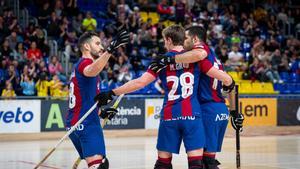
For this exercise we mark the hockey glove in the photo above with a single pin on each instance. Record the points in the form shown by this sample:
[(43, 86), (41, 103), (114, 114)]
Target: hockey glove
[(228, 89), (237, 120), (156, 66), (122, 38), (108, 113), (104, 98)]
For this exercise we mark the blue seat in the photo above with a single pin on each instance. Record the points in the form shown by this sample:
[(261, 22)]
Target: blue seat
[(295, 78), (285, 76)]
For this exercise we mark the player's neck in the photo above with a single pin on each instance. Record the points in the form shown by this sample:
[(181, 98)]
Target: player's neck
[(87, 55), (176, 48)]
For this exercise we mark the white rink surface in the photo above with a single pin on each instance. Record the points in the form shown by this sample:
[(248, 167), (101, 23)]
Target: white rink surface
[(271, 152)]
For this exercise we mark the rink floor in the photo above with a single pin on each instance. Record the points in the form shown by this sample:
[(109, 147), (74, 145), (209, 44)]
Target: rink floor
[(270, 152)]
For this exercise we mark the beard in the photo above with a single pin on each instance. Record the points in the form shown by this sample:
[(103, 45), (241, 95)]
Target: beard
[(95, 54), (188, 45)]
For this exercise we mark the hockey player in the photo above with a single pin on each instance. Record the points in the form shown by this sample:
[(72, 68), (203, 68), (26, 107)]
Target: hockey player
[(84, 86), (181, 114), (215, 112)]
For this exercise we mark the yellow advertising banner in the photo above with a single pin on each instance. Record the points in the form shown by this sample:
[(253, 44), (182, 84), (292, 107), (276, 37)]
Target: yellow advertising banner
[(259, 111)]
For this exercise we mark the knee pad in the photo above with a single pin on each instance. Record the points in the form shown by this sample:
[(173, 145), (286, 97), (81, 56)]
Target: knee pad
[(210, 163), (196, 164), (104, 164), (160, 165)]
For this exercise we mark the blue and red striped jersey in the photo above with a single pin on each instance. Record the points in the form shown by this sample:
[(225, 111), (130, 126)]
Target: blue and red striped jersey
[(81, 94), (180, 82), (209, 88)]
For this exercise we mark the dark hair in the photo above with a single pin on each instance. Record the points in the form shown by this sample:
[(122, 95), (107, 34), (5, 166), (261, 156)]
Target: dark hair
[(85, 37), (198, 31), (175, 33)]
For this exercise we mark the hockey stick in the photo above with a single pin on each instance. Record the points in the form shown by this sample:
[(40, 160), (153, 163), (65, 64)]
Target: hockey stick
[(66, 135), (115, 105), (237, 132)]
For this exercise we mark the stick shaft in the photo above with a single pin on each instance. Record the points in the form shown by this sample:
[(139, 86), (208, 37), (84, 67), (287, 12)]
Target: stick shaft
[(67, 134), (237, 132)]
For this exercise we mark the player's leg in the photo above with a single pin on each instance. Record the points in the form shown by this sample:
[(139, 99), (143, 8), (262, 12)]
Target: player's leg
[(76, 142), (193, 138), (215, 120), (168, 142), (93, 146)]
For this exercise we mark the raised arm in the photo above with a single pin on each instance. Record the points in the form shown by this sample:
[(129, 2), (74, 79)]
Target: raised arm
[(191, 56), (96, 67), (104, 98), (135, 84)]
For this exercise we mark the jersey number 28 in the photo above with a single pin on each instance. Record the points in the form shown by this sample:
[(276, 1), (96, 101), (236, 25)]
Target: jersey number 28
[(186, 81)]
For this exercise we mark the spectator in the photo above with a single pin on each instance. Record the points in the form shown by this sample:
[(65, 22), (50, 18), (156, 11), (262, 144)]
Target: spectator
[(42, 85), (27, 85), (65, 92), (77, 23), (123, 8), (71, 8), (13, 39), (276, 60), (20, 53), (180, 9), (53, 26), (55, 86), (55, 68), (272, 74), (34, 53), (123, 70), (164, 10), (8, 92), (257, 70), (89, 23), (5, 51), (44, 14), (58, 9), (236, 59)]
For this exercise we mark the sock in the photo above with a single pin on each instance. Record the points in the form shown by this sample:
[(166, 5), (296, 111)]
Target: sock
[(193, 158), (95, 162), (165, 160), (213, 156)]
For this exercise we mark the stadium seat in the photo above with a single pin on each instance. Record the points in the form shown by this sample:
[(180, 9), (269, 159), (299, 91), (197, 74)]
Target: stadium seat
[(268, 88), (245, 88), (257, 88), (144, 16), (295, 78), (285, 76), (154, 16), (234, 75)]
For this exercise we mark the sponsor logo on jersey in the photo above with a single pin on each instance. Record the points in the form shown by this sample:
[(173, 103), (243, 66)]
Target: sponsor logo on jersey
[(222, 117)]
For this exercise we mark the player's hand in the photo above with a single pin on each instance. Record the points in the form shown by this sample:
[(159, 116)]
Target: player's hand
[(108, 113), (237, 120), (122, 38), (228, 89), (156, 66), (104, 98), (165, 60)]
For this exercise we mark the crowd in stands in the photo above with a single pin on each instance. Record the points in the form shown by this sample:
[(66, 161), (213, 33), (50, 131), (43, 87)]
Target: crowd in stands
[(259, 40)]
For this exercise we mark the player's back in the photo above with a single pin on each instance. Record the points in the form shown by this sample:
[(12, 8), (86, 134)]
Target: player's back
[(210, 89), (179, 83), (81, 94)]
